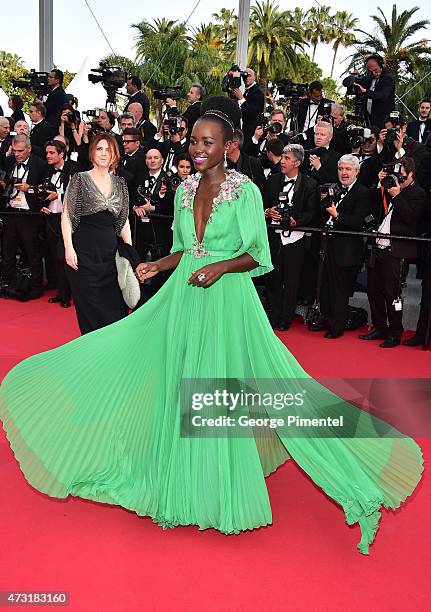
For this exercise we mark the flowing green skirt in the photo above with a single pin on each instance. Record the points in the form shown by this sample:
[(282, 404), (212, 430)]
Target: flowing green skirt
[(99, 418)]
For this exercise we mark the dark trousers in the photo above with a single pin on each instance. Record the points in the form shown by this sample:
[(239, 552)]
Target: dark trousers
[(386, 276), (55, 244), (23, 229), (425, 311), (337, 287), (282, 283)]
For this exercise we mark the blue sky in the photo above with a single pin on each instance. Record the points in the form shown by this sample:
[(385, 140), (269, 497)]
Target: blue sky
[(73, 17)]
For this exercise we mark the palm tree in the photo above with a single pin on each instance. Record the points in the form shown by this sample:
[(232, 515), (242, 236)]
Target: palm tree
[(273, 40), (390, 40), (207, 35), (342, 33), (317, 25), (228, 22)]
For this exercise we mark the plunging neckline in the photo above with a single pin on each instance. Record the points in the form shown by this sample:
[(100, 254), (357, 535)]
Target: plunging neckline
[(214, 206), (97, 187)]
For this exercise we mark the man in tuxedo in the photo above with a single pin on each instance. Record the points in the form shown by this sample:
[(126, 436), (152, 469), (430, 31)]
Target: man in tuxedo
[(246, 164), (153, 234), (58, 175), (192, 113), (286, 244), (257, 146), (174, 146), (5, 139), (133, 161), (126, 120), (344, 254), (321, 162), (388, 265), (420, 128), (23, 169), (310, 108), (134, 87), (56, 98), (145, 127), (252, 103), (41, 130), (378, 91)]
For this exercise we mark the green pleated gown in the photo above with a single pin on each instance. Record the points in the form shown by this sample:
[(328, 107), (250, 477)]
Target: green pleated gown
[(99, 417)]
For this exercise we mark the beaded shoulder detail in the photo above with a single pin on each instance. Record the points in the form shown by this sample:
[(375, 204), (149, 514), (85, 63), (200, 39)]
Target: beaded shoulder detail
[(230, 190)]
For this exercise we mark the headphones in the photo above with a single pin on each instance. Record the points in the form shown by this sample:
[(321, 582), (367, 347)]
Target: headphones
[(378, 58)]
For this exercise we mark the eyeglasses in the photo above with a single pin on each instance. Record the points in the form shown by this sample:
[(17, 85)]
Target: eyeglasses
[(134, 140)]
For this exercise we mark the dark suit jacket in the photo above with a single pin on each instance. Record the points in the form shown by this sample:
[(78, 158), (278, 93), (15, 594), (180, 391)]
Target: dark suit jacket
[(383, 98), (4, 148), (41, 133), (37, 172), (143, 100), (176, 147), (305, 197), (147, 131), (251, 167), (413, 129), (303, 109), (192, 114), (54, 102), (69, 169), (408, 206), (137, 168), (251, 110), (352, 210), (328, 172)]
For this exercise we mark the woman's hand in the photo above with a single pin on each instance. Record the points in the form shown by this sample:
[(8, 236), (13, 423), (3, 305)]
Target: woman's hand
[(208, 275), (71, 258), (146, 270)]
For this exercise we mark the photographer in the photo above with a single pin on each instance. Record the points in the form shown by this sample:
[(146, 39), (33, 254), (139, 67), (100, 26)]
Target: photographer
[(387, 269), (21, 229), (176, 144), (52, 194), (364, 148), (290, 200), (70, 125), (377, 89), (16, 103), (145, 127), (252, 103), (192, 113), (133, 88), (41, 130), (321, 162), (56, 98), (269, 130), (420, 128), (274, 153), (238, 160), (310, 108), (126, 120), (340, 137), (5, 139), (345, 207), (133, 159)]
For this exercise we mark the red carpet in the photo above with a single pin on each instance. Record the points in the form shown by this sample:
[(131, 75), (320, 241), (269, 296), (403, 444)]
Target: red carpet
[(108, 559)]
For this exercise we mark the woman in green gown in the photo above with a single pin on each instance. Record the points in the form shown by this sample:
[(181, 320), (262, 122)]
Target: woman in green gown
[(100, 418)]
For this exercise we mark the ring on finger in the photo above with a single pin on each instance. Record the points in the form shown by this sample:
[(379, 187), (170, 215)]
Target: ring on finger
[(201, 277)]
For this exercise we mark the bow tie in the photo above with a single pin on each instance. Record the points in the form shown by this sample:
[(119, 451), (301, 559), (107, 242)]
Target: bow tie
[(344, 190), (21, 165), (151, 181), (289, 181)]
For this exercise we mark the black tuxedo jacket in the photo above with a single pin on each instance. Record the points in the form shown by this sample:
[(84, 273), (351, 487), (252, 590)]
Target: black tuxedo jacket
[(136, 169), (408, 206), (69, 169), (192, 114), (251, 167), (176, 147), (251, 110), (40, 134), (413, 129), (305, 197), (383, 98), (303, 110), (147, 131), (53, 105), (37, 173), (328, 173), (143, 100), (4, 148), (256, 149), (163, 206), (352, 210)]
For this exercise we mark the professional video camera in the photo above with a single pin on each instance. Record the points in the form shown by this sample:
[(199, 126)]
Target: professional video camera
[(351, 81), (112, 79), (275, 127), (167, 91), (358, 136), (329, 193), (34, 81), (393, 175), (174, 124), (285, 209), (233, 78), (93, 114), (42, 190), (289, 89)]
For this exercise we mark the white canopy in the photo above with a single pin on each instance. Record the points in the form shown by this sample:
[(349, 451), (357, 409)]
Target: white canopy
[(89, 95), (3, 103)]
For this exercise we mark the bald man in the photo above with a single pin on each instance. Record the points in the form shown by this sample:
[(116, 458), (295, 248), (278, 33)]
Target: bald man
[(145, 127), (252, 104), (5, 139)]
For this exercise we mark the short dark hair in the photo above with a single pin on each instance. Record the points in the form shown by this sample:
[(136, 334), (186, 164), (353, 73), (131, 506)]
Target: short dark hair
[(58, 75), (315, 86), (423, 100), (17, 102), (238, 137), (59, 146), (401, 120), (275, 146), (184, 156), (136, 81), (39, 106), (132, 132), (408, 163)]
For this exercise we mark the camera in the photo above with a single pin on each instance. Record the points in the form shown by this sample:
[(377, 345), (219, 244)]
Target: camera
[(329, 193), (93, 112), (391, 180), (172, 181), (42, 190), (167, 91), (174, 124), (392, 135), (275, 127), (71, 117), (233, 78), (285, 209), (349, 83), (326, 112), (358, 136), (112, 79), (35, 81), (289, 89)]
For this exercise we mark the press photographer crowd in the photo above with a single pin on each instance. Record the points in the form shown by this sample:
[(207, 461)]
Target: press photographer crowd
[(333, 184)]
